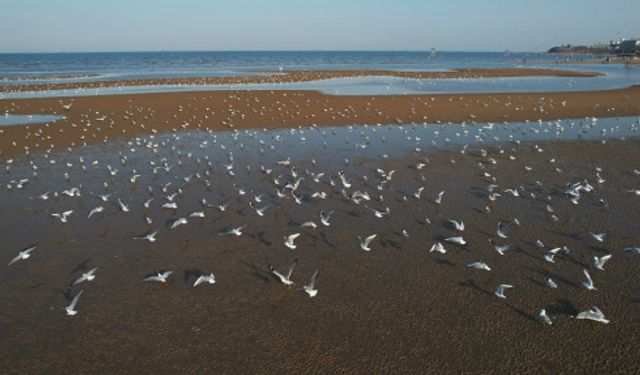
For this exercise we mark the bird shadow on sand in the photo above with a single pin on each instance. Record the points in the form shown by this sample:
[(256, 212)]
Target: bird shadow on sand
[(396, 245), (82, 266), (257, 272), (260, 236), (325, 240), (444, 262), (562, 307), (521, 312), (192, 272), (552, 275)]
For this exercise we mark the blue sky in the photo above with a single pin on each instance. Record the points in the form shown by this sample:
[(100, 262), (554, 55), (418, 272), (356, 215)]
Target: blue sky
[(149, 25)]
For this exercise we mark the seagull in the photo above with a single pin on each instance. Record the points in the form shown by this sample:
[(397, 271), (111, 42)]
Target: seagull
[(366, 244), (458, 240), (63, 216), (632, 250), (593, 314), (544, 317), (123, 206), (548, 256), (210, 278), (309, 288), (598, 236), (151, 237), (23, 255), (438, 199), (499, 292), (309, 224), (180, 221), (288, 240), (479, 266), (160, 276), (438, 247), (598, 262), (286, 280), (95, 211), (71, 308), (87, 276), (236, 231), (551, 284), (588, 283), (458, 225), (324, 219), (259, 211), (502, 249)]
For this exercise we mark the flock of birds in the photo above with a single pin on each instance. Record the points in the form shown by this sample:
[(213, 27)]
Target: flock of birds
[(286, 182)]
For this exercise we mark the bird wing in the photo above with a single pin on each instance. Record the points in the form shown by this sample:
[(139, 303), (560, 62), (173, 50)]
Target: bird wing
[(74, 302), (312, 282), (368, 240), (17, 258), (291, 267)]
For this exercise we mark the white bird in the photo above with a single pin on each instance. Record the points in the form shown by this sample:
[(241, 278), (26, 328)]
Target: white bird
[(499, 292), (458, 240), (310, 287), (479, 266), (123, 206), (210, 278), (438, 199), (160, 276), (438, 247), (285, 279), (502, 249), (544, 317), (71, 308), (259, 211), (180, 221), (324, 219), (598, 236), (63, 216), (598, 262), (593, 314), (288, 240), (23, 255), (548, 256), (309, 224), (236, 231), (366, 244), (95, 211), (551, 284), (459, 226), (198, 214), (632, 250), (151, 237), (87, 276), (588, 283)]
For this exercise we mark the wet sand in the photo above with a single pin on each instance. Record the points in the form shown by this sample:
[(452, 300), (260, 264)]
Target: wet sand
[(305, 76), (131, 115), (394, 309)]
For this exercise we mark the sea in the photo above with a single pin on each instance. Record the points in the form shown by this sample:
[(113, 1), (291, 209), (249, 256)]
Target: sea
[(38, 68)]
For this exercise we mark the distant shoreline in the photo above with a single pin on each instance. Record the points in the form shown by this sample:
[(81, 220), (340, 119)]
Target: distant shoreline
[(294, 76)]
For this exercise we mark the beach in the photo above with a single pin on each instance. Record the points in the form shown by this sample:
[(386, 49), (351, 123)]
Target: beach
[(397, 166)]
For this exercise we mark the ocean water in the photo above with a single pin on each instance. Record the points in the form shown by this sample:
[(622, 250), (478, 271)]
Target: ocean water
[(82, 67)]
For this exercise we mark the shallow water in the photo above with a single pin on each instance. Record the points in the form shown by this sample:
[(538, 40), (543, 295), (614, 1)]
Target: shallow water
[(10, 120)]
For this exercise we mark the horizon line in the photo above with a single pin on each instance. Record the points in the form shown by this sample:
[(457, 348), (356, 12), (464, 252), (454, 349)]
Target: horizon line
[(261, 50)]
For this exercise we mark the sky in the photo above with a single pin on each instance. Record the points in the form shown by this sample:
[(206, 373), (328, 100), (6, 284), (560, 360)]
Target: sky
[(446, 25)]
